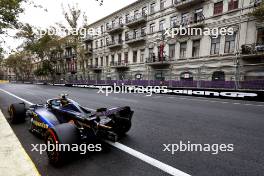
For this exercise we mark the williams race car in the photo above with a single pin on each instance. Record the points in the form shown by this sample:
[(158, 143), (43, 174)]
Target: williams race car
[(63, 121)]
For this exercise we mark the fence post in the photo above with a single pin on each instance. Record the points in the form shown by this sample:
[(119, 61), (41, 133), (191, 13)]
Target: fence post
[(237, 77), (148, 77), (170, 82)]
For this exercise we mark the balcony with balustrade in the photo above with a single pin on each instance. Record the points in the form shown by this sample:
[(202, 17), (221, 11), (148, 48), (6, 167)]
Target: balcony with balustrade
[(69, 56), (95, 67), (253, 51), (193, 20), (120, 64), (136, 20), (135, 38), (185, 4), (114, 44), (155, 61), (88, 38), (115, 28)]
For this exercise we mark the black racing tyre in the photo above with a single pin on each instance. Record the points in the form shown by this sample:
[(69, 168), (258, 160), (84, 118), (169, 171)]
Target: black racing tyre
[(123, 128), (65, 133), (123, 120), (17, 113)]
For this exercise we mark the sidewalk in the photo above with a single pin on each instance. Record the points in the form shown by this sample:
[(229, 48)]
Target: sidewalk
[(14, 161)]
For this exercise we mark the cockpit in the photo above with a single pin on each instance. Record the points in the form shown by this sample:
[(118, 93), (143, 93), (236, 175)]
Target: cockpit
[(67, 105)]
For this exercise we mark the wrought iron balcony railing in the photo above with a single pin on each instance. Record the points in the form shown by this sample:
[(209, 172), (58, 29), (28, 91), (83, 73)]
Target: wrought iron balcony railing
[(135, 37), (136, 19), (114, 43), (119, 64), (184, 4), (116, 27)]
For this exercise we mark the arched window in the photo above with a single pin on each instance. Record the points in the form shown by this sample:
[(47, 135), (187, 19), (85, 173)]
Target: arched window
[(218, 76)]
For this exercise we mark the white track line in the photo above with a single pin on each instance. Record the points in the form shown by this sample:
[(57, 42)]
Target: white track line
[(9, 93), (160, 165), (166, 168)]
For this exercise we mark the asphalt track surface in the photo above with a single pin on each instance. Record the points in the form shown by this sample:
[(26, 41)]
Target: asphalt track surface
[(158, 120)]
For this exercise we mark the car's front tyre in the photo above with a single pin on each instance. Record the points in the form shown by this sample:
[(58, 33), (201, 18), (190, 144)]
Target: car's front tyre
[(17, 112)]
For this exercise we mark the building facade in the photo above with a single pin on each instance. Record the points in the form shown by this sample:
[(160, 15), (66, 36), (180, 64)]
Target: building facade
[(6, 73), (133, 45)]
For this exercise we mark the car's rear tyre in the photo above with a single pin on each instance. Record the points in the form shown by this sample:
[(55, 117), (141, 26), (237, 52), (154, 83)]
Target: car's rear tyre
[(123, 128), (123, 121), (17, 113), (65, 133)]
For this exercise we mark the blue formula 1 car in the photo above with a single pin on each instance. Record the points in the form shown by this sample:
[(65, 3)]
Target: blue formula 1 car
[(63, 121)]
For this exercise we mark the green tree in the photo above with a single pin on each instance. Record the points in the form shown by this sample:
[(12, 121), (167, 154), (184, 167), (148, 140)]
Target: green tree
[(42, 47), (9, 11), (27, 34), (258, 12), (21, 64), (37, 44), (77, 21), (46, 69), (1, 54)]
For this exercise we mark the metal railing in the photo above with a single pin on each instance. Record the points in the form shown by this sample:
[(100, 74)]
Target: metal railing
[(136, 18), (192, 18), (114, 26), (119, 63), (134, 36), (156, 58), (114, 43), (253, 48)]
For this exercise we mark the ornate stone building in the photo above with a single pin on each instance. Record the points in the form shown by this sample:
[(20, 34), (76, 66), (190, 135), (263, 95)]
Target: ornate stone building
[(132, 45)]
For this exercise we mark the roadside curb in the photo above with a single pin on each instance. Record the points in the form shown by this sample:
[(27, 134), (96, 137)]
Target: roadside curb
[(13, 158)]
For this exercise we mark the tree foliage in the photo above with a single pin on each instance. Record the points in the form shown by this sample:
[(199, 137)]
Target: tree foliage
[(37, 44), (46, 46), (1, 54), (9, 11), (41, 46), (26, 32), (45, 69), (21, 64), (77, 20), (258, 12)]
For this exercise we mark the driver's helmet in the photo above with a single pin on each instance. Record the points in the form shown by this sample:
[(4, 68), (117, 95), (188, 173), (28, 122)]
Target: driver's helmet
[(64, 100)]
